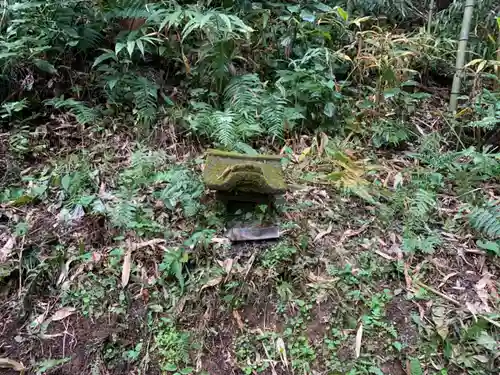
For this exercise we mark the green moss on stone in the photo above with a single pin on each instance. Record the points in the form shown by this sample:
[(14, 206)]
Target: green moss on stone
[(242, 156), (229, 171)]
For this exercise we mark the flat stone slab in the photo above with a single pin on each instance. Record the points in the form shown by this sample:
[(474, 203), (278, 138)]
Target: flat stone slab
[(231, 171)]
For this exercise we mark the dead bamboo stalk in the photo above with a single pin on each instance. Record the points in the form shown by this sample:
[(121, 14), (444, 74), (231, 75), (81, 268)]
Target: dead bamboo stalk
[(429, 19), (497, 68), (462, 45)]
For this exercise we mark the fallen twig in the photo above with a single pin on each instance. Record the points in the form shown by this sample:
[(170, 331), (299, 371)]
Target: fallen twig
[(454, 301), (437, 292)]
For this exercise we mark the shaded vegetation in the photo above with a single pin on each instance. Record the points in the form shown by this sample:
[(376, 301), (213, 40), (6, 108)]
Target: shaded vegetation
[(113, 258)]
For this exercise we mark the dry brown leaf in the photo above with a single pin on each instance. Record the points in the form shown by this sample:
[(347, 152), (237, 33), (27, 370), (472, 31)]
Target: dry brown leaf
[(351, 233), (440, 321), (322, 143), (127, 264), (62, 313), (446, 278), (359, 338), (213, 282), (482, 292), (249, 265), (281, 349), (407, 276), (384, 255), (472, 308), (64, 271), (38, 320), (78, 272), (239, 321), (45, 336), (140, 245), (323, 233), (221, 240), (7, 248), (228, 265), (321, 279), (10, 363), (483, 282)]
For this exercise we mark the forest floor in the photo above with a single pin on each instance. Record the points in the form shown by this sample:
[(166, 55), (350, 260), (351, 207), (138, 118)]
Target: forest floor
[(167, 293)]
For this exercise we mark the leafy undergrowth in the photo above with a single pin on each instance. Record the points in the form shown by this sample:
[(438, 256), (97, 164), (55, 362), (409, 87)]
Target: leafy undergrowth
[(113, 258), (114, 262)]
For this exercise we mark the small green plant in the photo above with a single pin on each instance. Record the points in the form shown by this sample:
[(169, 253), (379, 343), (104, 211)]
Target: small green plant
[(184, 189), (172, 346), (301, 353), (278, 255), (253, 352), (19, 141), (50, 364), (173, 264), (426, 243), (92, 294), (133, 355), (8, 109), (389, 133)]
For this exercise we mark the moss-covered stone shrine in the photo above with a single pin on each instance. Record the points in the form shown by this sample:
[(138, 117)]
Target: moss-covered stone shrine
[(237, 173)]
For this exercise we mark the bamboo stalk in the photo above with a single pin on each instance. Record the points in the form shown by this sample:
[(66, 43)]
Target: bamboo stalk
[(462, 45), (429, 19), (497, 68)]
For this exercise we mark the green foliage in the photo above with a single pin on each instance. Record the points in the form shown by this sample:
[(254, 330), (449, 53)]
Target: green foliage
[(276, 256), (487, 109), (486, 219), (389, 133), (421, 204), (246, 347), (37, 30), (327, 79), (134, 354), (83, 114), (144, 164), (302, 354), (8, 109), (19, 141), (125, 88), (310, 84), (171, 345), (38, 37), (449, 20), (249, 111), (425, 243), (89, 293), (173, 264), (50, 364), (184, 189)]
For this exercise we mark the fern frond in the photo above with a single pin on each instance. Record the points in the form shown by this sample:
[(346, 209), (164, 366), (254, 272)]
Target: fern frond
[(90, 38), (145, 99), (487, 123), (83, 114), (274, 120), (250, 110), (122, 213), (129, 9), (486, 219), (224, 129), (421, 204), (143, 164)]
